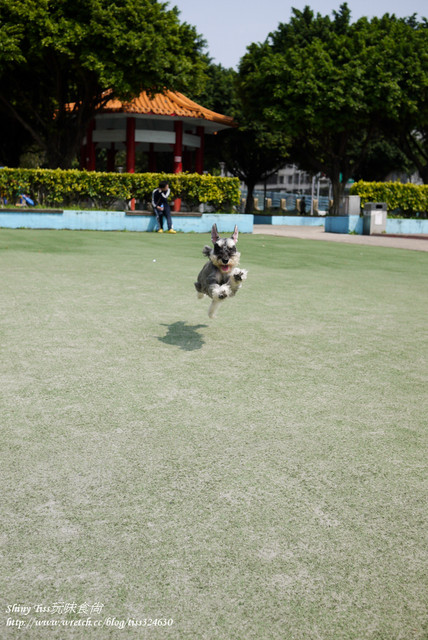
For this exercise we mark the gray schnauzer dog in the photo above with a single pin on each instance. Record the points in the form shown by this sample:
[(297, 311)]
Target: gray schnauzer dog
[(220, 278)]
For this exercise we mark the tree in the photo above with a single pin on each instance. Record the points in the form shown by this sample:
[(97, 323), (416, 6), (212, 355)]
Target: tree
[(252, 155), (327, 84), (219, 91), (250, 152), (382, 158), (415, 145), (407, 122), (14, 140), (82, 53)]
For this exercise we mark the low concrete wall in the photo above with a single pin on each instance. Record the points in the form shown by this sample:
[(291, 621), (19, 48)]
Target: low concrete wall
[(344, 224), (394, 226), (406, 227), (225, 222), (308, 221), (121, 220)]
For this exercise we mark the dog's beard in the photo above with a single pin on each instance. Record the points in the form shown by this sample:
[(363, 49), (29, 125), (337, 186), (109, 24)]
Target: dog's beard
[(225, 268)]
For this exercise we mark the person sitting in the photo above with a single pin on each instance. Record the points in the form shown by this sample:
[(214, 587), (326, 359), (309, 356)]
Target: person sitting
[(161, 206)]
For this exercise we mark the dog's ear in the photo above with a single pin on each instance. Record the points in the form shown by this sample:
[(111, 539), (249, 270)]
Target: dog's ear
[(214, 234), (235, 234)]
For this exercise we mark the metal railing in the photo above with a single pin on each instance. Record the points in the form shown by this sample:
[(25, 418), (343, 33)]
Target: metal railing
[(287, 202)]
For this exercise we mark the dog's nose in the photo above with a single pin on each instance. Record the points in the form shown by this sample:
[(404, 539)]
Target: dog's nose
[(225, 260)]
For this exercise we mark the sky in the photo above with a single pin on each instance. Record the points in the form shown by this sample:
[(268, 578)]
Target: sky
[(229, 26)]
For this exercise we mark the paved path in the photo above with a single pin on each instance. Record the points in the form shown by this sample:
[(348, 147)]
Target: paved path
[(318, 233)]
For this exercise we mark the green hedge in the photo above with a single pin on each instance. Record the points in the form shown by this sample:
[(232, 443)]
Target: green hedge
[(410, 200), (60, 188)]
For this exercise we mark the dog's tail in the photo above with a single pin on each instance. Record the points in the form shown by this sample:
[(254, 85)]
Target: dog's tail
[(206, 251)]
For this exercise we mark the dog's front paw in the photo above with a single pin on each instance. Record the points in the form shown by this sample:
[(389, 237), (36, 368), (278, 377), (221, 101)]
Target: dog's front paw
[(240, 274), (223, 292)]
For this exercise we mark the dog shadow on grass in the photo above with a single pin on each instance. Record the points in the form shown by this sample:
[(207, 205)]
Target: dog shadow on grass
[(184, 335)]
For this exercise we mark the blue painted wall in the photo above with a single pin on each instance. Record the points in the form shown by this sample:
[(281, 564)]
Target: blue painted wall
[(290, 220), (346, 224), (120, 221), (406, 227)]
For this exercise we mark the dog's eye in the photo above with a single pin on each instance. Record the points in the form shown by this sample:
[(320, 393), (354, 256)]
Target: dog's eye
[(217, 249)]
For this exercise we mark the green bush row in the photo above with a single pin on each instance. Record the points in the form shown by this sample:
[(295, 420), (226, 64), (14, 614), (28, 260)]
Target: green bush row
[(409, 199), (65, 188)]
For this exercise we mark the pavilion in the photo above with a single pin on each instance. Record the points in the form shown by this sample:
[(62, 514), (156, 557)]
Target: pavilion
[(163, 122)]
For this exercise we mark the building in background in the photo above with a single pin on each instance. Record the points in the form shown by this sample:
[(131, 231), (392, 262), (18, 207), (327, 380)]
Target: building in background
[(290, 179)]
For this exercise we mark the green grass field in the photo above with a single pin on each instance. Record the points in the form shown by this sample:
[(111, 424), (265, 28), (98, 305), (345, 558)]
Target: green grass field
[(260, 476)]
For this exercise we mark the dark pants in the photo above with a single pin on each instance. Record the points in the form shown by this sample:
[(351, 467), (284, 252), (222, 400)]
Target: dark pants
[(160, 215)]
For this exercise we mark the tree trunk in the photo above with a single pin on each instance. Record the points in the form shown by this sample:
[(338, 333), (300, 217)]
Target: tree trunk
[(249, 205), (63, 142), (338, 187), (423, 172)]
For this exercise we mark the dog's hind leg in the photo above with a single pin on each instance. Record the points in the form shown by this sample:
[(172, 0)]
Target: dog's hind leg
[(212, 311), (199, 290)]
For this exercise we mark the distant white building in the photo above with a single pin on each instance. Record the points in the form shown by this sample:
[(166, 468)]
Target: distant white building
[(397, 176), (291, 179)]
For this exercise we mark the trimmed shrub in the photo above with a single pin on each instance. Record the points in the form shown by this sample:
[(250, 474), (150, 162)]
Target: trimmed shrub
[(409, 200), (64, 188)]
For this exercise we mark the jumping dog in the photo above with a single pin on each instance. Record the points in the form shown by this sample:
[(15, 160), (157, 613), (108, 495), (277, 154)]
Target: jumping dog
[(220, 277)]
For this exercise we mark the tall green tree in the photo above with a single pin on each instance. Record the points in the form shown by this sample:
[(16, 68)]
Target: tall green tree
[(252, 154), (328, 84), (218, 93), (383, 158), (414, 143), (82, 52), (250, 151), (406, 120)]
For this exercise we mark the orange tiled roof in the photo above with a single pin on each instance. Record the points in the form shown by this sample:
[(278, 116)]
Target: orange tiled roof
[(167, 104)]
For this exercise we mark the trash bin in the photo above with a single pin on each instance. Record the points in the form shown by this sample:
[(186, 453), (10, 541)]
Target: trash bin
[(374, 218)]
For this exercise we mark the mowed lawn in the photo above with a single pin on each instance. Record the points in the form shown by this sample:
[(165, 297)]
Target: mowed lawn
[(260, 476)]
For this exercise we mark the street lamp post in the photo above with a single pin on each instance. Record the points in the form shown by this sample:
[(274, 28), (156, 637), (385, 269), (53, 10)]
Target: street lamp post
[(312, 195)]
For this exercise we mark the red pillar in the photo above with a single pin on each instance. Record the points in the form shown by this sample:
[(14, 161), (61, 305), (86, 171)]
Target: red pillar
[(130, 145), (178, 156), (130, 151), (178, 147), (90, 147), (200, 151)]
